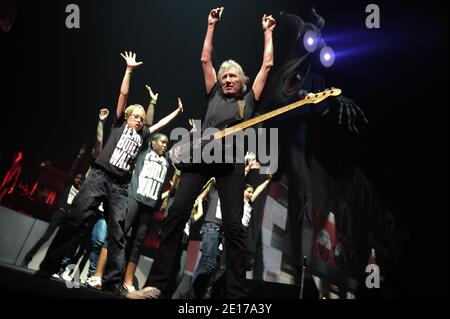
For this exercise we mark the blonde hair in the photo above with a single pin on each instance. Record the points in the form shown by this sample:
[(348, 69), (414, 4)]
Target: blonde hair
[(129, 110), (241, 75)]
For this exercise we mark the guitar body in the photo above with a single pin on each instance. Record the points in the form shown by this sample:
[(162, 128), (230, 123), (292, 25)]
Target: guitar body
[(183, 151)]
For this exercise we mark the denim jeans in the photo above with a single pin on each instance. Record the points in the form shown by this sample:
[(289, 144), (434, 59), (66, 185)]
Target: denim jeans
[(99, 233), (211, 239)]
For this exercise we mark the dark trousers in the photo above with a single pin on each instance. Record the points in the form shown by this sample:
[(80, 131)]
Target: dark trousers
[(230, 185), (52, 226), (73, 256), (98, 187), (139, 218)]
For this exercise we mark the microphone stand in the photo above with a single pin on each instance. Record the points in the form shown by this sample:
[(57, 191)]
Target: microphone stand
[(302, 280)]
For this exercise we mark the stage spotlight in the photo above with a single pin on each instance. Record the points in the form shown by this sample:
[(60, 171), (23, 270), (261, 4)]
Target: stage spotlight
[(327, 56), (311, 40)]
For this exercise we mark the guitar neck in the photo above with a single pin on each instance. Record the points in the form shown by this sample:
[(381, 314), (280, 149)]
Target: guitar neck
[(261, 118)]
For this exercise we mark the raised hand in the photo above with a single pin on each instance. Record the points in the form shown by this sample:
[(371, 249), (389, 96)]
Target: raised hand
[(130, 59), (103, 114), (254, 164), (249, 156), (268, 23), (348, 108), (215, 15), (193, 126), (153, 96), (180, 106)]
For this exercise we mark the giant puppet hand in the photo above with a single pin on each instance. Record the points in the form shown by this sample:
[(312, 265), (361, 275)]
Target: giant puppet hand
[(349, 113)]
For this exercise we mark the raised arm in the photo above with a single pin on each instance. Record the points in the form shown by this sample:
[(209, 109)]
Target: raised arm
[(261, 187), (206, 189), (197, 210), (163, 122), (173, 185), (175, 178), (165, 194), (206, 59), (268, 25), (149, 115), (98, 144), (130, 59), (252, 164)]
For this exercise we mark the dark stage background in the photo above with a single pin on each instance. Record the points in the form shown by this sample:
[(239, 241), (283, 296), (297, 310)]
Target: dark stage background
[(54, 80)]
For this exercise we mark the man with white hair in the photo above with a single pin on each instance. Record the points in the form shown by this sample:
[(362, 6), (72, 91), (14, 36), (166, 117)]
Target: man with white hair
[(226, 91)]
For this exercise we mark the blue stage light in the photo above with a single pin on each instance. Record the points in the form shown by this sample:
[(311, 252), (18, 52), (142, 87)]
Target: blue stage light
[(327, 56), (311, 40)]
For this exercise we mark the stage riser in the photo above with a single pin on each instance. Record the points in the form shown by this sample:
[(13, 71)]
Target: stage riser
[(19, 232)]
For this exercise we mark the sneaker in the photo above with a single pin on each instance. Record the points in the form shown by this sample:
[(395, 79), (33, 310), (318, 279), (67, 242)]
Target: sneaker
[(146, 293), (66, 275), (94, 282)]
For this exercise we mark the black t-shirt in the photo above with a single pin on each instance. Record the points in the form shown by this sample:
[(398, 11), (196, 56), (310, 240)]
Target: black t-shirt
[(222, 108), (213, 213), (148, 178), (120, 151)]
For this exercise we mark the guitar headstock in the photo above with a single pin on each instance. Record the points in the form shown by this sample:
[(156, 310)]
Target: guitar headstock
[(320, 96)]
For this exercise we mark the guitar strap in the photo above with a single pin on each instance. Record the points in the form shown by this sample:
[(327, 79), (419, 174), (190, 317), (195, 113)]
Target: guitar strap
[(241, 108)]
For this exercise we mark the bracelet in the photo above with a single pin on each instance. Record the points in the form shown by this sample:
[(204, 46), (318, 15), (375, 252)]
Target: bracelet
[(130, 72), (153, 101)]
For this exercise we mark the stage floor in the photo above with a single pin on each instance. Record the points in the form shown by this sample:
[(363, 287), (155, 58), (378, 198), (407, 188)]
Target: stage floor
[(20, 282)]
